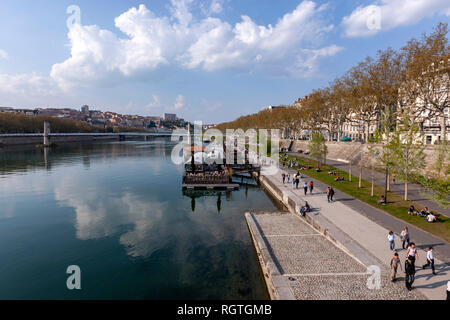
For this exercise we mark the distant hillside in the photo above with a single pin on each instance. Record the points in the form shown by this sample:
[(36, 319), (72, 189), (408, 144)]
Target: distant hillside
[(20, 123)]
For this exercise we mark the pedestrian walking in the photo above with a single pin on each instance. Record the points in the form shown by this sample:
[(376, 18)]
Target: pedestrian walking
[(430, 260), (395, 263), (331, 194), (410, 271), (448, 290), (284, 177), (391, 239), (288, 178), (404, 237), (305, 188), (311, 187), (297, 181), (293, 183), (412, 254), (328, 194)]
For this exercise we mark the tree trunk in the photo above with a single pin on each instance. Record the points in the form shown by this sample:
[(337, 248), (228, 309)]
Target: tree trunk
[(372, 190), (406, 191), (360, 175), (350, 172), (388, 181), (443, 129)]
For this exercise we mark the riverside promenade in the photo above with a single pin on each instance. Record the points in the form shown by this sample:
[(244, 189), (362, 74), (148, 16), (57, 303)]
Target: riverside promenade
[(347, 230), (416, 193)]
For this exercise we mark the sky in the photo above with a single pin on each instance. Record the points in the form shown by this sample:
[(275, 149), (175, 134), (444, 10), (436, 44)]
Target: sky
[(210, 61)]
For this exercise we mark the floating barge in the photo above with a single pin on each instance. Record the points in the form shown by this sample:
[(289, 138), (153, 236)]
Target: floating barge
[(227, 186)]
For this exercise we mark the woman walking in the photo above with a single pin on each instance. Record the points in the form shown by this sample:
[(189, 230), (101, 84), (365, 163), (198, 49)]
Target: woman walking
[(404, 237), (412, 254)]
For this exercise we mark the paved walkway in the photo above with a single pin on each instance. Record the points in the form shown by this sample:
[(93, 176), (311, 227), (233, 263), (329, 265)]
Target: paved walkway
[(421, 238), (301, 263), (416, 192), (361, 222)]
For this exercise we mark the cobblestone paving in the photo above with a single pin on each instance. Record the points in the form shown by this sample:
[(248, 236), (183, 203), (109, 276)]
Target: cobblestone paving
[(316, 268), (351, 287), (286, 223), (312, 254)]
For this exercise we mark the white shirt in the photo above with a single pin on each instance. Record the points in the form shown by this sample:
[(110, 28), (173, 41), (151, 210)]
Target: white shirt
[(430, 218), (391, 237), (430, 255)]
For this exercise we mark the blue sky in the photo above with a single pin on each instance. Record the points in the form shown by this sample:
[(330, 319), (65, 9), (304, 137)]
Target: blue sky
[(211, 60)]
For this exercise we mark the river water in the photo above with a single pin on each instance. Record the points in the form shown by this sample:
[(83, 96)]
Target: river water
[(117, 211)]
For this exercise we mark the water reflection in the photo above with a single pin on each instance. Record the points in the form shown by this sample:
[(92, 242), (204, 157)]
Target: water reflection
[(118, 208)]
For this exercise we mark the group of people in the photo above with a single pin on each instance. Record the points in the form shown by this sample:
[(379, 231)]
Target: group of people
[(218, 177), (411, 257), (296, 181), (425, 213), (330, 194)]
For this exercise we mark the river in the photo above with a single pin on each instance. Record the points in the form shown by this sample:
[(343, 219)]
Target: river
[(117, 211)]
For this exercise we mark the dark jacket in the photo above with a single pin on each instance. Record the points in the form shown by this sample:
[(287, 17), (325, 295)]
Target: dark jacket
[(409, 268)]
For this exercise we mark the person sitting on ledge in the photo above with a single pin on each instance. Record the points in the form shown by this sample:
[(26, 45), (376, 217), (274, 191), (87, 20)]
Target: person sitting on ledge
[(306, 208), (412, 211), (382, 200)]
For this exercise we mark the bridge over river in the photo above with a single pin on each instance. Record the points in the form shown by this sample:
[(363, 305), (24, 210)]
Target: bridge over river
[(54, 138)]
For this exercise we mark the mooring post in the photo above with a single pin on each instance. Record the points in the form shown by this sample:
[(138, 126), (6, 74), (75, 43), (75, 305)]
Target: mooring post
[(46, 134)]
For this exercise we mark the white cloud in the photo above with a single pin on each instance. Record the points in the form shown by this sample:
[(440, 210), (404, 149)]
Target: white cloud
[(179, 103), (179, 40), (388, 14), (3, 54), (155, 103), (27, 84), (216, 6)]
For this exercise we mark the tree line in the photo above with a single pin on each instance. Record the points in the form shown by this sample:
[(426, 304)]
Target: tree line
[(416, 77), (11, 123), (388, 99)]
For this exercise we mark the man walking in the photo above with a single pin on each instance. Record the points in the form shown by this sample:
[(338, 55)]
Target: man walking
[(305, 188), (311, 187), (297, 181), (284, 177), (410, 271), (430, 260), (331, 194), (328, 194), (395, 263)]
